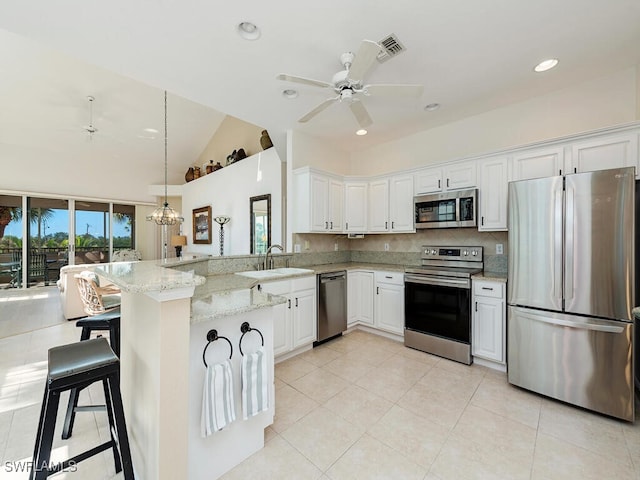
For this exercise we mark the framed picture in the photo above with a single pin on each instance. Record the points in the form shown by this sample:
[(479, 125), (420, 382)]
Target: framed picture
[(202, 225)]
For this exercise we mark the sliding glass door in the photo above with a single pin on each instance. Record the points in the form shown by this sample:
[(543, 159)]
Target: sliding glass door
[(57, 232)]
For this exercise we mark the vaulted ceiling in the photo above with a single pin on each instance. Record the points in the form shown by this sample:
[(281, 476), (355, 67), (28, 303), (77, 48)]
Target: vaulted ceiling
[(470, 55)]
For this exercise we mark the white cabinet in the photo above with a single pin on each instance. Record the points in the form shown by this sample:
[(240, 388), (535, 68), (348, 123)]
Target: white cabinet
[(449, 177), (401, 209), (489, 321), (607, 151), (389, 303), (319, 202), (391, 204), (493, 193), (379, 206), (355, 206), (294, 321), (538, 163), (360, 297)]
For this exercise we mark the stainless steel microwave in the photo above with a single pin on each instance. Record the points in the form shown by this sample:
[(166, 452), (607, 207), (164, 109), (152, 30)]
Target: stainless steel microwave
[(457, 208)]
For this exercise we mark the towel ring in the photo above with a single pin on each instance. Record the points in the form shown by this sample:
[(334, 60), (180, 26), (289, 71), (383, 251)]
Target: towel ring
[(212, 336), (246, 328)]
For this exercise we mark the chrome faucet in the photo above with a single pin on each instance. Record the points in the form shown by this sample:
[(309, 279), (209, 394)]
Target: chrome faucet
[(267, 264)]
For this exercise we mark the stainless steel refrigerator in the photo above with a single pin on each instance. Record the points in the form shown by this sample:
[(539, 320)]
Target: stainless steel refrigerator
[(571, 289)]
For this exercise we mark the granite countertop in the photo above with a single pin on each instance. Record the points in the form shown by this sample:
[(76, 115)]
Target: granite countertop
[(333, 267), (636, 312), (493, 276), (147, 276)]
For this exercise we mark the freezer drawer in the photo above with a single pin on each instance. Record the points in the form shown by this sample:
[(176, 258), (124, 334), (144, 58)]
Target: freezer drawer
[(582, 361)]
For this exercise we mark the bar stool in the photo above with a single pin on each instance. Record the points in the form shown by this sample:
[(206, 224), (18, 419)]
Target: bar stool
[(78, 365), (109, 321)]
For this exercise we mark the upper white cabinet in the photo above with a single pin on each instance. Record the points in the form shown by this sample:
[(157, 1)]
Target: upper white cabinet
[(401, 204), (379, 206), (355, 206), (607, 151), (493, 193), (538, 163), (450, 177), (319, 202)]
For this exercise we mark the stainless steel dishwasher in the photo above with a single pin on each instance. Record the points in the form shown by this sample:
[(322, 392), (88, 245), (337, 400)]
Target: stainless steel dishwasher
[(332, 305)]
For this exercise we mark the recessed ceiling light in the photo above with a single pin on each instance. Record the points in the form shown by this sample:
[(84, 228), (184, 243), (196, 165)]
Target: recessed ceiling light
[(151, 130), (289, 93), (361, 132), (432, 106), (248, 31), (546, 65)]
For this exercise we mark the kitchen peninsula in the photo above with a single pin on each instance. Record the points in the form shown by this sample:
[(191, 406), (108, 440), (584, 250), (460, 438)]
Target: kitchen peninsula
[(166, 315)]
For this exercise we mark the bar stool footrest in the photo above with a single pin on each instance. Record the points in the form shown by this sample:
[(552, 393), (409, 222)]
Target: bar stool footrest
[(79, 458)]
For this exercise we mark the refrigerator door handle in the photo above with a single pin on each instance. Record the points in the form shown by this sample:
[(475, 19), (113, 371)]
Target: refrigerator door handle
[(569, 239), (584, 325), (557, 247)]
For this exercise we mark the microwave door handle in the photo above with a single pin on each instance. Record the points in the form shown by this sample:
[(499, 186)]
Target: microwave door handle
[(458, 210)]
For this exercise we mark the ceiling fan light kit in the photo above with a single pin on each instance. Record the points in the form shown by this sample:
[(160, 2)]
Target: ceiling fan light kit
[(349, 87)]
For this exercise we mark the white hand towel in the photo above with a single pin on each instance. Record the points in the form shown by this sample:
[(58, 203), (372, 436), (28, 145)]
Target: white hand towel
[(255, 395), (218, 409)]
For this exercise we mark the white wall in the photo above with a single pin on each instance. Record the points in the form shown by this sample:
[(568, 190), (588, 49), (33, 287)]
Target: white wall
[(603, 102), (307, 150), (227, 191)]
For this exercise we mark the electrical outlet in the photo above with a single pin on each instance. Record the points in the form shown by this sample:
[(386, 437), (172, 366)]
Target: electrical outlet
[(335, 246), (296, 248), (306, 244), (386, 247), (499, 249)]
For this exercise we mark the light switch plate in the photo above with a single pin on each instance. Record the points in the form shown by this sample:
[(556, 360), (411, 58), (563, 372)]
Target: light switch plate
[(335, 246), (296, 248)]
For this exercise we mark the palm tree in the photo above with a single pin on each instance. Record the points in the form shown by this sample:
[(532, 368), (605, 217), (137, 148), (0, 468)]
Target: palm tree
[(8, 215), (37, 216)]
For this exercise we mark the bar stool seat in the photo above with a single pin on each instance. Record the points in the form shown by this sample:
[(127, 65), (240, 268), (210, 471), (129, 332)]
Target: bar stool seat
[(76, 366)]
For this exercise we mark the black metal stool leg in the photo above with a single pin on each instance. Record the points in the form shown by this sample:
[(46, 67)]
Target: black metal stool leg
[(36, 450), (112, 426), (86, 333), (121, 425), (41, 468), (114, 339), (70, 417)]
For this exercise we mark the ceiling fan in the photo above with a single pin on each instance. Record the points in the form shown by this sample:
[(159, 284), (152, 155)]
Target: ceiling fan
[(349, 84)]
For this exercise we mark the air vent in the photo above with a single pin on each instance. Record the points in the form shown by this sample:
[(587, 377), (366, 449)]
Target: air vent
[(391, 47)]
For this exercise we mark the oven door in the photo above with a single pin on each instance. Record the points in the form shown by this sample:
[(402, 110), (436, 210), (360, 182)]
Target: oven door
[(438, 306)]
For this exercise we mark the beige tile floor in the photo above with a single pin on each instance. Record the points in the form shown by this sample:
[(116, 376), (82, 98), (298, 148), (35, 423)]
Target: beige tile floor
[(360, 407)]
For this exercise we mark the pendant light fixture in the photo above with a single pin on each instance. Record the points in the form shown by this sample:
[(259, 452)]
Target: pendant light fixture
[(90, 129), (165, 215)]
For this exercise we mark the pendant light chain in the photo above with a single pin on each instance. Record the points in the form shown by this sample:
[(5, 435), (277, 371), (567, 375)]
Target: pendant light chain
[(165, 215)]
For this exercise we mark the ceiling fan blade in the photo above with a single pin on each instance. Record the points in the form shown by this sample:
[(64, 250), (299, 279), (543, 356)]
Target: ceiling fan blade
[(361, 114), (318, 109), (364, 59), (393, 90), (305, 81)]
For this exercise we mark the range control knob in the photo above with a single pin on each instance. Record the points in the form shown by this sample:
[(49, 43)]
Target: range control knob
[(434, 252), (474, 253), (465, 253)]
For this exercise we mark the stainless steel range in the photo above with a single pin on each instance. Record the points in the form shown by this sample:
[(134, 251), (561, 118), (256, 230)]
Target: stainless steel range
[(438, 301)]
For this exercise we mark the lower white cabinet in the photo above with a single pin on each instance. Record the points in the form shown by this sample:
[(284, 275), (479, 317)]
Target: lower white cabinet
[(389, 303), (294, 321), (360, 297), (488, 321)]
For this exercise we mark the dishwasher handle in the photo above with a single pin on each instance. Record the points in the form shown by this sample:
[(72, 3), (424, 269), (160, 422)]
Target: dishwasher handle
[(329, 277)]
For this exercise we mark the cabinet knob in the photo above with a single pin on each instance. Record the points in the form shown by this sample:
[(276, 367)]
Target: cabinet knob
[(296, 302), (331, 225), (326, 225), (377, 290), (289, 300)]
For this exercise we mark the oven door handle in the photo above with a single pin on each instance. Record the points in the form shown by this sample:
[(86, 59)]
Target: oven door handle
[(428, 280)]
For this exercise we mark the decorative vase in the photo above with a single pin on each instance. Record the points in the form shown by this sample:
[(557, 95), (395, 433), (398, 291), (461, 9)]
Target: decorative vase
[(240, 154), (196, 172), (217, 166), (265, 140), (190, 175), (210, 167)]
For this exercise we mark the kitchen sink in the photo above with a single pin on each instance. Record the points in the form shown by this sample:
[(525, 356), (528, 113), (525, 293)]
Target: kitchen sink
[(274, 273)]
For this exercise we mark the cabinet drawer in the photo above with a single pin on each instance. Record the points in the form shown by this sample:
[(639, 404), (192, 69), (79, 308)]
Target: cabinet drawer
[(485, 288), (394, 278)]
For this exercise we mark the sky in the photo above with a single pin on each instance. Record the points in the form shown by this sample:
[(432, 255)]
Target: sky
[(85, 221)]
